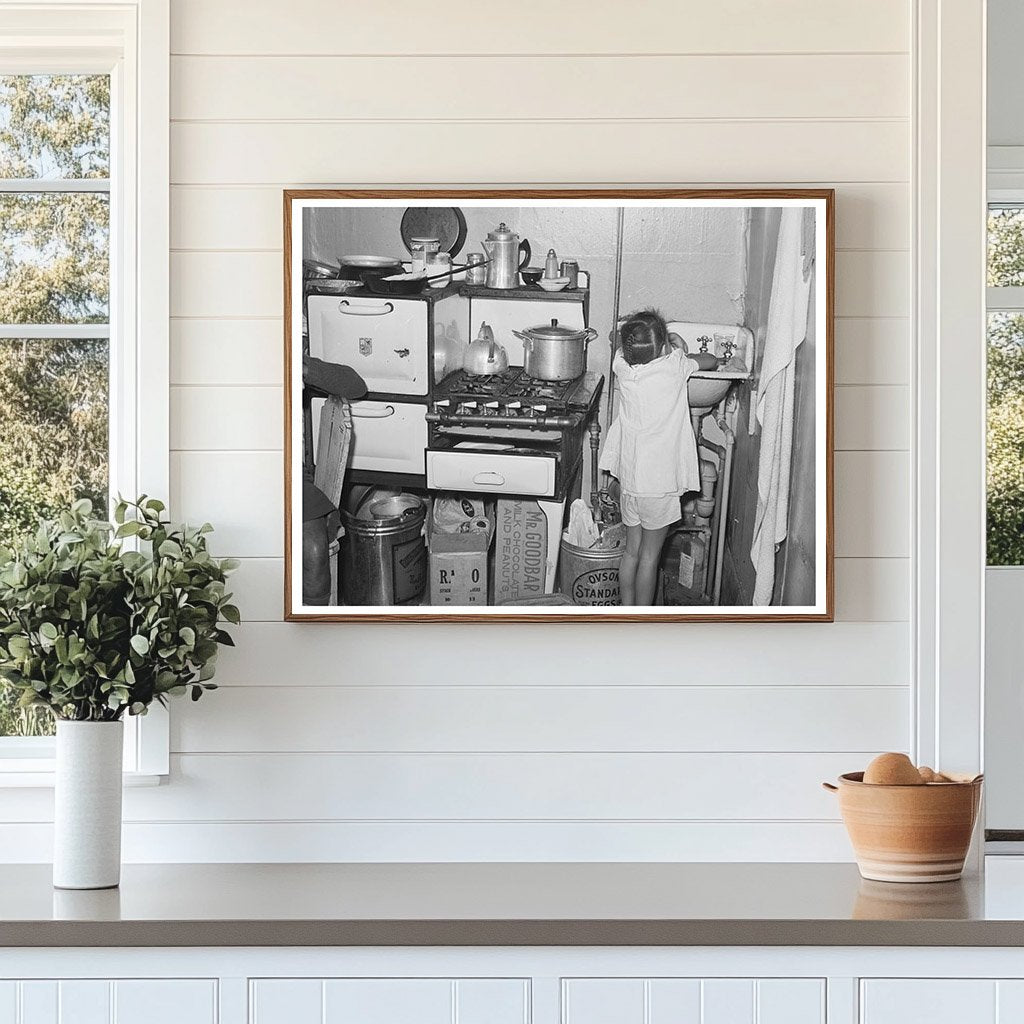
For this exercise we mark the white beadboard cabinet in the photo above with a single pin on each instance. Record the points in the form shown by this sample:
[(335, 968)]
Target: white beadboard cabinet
[(389, 1001), (693, 1001), (103, 1001), (942, 1001), (513, 985)]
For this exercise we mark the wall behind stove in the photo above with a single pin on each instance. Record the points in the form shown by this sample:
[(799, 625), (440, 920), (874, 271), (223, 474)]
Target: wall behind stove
[(514, 742), (691, 264)]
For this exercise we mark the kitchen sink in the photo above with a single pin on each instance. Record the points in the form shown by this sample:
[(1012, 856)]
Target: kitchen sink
[(706, 388)]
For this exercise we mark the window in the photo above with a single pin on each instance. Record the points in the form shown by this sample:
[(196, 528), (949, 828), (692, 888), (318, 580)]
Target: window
[(54, 308), (1005, 478), (84, 125)]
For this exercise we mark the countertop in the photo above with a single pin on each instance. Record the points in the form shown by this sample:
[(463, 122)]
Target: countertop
[(509, 904)]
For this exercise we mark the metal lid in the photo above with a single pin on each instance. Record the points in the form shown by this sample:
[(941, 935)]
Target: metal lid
[(501, 233), (554, 331), (396, 509)]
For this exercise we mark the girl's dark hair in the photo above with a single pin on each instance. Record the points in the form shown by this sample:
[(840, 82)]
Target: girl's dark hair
[(644, 337)]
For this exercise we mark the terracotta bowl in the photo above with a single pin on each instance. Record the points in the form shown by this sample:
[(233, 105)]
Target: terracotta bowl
[(909, 833)]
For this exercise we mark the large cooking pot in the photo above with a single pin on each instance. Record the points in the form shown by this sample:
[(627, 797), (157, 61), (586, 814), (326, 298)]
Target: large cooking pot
[(554, 352)]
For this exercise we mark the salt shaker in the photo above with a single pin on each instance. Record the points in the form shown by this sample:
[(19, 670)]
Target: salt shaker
[(551, 265)]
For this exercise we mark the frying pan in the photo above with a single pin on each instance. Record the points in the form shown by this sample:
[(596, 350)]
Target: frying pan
[(377, 282)]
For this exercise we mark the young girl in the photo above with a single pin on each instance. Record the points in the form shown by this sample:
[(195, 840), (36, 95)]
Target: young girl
[(650, 448)]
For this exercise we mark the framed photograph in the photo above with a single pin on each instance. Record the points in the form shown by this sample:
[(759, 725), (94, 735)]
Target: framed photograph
[(561, 405)]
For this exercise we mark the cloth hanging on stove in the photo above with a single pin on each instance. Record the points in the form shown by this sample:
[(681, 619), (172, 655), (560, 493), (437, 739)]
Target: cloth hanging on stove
[(787, 328)]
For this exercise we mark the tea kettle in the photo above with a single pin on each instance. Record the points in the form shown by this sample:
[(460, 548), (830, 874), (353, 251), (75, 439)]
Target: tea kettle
[(503, 247), (484, 355)]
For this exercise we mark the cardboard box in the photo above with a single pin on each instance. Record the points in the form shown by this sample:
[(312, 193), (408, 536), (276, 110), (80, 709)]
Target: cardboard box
[(520, 550), (458, 566)]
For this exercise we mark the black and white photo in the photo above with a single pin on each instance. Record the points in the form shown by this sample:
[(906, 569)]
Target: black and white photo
[(521, 405)]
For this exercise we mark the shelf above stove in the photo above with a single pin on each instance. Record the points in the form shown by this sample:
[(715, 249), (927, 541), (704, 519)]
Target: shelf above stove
[(534, 293)]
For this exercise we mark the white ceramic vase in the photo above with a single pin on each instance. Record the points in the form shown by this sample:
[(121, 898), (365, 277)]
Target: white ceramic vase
[(87, 805)]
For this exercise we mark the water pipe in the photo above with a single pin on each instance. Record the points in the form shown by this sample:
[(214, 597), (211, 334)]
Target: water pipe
[(728, 430), (616, 299)]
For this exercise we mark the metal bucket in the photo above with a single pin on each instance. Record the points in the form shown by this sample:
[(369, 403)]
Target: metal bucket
[(384, 560), (589, 576)]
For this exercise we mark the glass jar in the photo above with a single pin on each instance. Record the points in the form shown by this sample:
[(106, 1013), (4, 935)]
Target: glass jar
[(440, 262), (476, 272), (422, 250)]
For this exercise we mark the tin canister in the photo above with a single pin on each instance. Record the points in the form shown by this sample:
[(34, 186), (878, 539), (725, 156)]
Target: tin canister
[(384, 558), (476, 271), (571, 270)]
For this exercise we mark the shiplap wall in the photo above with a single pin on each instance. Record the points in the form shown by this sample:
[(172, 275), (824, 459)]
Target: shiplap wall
[(508, 742)]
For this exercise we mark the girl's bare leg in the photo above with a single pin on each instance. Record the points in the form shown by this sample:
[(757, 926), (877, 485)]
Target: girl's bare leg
[(651, 543), (628, 564)]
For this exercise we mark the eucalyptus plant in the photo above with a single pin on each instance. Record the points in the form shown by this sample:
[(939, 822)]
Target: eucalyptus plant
[(98, 619)]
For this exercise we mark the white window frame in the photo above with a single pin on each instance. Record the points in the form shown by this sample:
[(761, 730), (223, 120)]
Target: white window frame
[(130, 41), (949, 442), (1004, 717)]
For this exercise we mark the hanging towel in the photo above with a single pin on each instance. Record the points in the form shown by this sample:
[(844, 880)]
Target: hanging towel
[(787, 328)]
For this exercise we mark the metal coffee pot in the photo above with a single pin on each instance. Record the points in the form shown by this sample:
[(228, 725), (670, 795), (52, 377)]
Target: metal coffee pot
[(503, 247)]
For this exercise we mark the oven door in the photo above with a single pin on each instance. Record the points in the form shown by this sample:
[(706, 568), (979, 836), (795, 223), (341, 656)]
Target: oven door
[(486, 469), (387, 437), (384, 340)]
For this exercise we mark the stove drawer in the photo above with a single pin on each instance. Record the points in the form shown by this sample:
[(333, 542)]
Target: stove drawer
[(386, 341), (491, 474), (387, 437)]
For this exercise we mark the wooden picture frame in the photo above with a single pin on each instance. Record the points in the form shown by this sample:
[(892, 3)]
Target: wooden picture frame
[(758, 203)]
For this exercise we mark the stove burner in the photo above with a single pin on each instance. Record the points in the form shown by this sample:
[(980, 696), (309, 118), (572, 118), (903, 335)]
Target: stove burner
[(511, 386)]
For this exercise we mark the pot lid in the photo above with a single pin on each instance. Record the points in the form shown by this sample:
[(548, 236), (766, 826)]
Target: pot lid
[(554, 330), (364, 260), (446, 224)]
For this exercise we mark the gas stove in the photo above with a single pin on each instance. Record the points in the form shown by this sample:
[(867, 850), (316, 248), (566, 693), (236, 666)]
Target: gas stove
[(513, 399), (510, 434)]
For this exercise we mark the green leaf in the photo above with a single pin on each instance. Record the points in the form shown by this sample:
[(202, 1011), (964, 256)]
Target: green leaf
[(140, 644), (48, 631), (170, 549), (231, 613), (18, 646)]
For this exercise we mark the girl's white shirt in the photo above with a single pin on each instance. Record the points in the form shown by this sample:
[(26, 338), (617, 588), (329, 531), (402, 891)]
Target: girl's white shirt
[(650, 447)]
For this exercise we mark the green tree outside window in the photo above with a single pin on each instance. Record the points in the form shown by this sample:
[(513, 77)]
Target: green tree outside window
[(1005, 478), (54, 270)]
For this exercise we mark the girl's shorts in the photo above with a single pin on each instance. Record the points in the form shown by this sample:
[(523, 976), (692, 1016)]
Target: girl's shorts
[(650, 513)]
